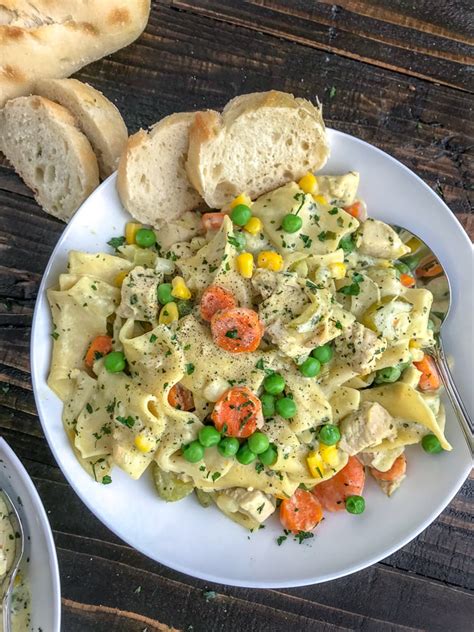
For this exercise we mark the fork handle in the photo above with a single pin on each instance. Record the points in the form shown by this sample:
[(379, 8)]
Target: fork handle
[(438, 355)]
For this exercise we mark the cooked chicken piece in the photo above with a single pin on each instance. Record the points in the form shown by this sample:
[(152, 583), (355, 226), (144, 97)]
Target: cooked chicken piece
[(378, 239), (339, 190), (360, 348), (254, 504), (139, 299), (367, 427), (388, 487)]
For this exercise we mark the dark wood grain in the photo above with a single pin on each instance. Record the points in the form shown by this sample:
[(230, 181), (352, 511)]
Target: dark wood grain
[(385, 34), (393, 73)]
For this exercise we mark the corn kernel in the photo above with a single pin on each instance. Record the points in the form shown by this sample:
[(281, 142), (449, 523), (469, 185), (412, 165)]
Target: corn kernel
[(243, 198), (315, 465), (253, 226), (329, 454), (320, 199), (130, 232), (338, 270), (143, 443), (18, 579), (270, 260), (244, 263), (119, 279), (415, 344), (169, 314), (180, 289), (308, 183)]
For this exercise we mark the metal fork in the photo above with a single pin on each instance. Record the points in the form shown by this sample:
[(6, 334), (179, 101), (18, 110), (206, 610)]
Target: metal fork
[(9, 579)]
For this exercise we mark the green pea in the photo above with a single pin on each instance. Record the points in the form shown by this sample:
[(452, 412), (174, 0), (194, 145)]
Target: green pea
[(329, 434), (274, 384), (258, 442), (347, 244), (209, 436), (163, 293), (193, 452), (240, 214), (323, 354), (228, 447), (145, 238), (388, 375), (291, 223), (431, 444), (268, 404), (402, 267), (285, 407), (270, 456), (184, 307), (355, 504), (115, 362), (245, 456), (310, 367)]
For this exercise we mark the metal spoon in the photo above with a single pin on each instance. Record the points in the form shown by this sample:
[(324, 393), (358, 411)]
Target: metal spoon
[(9, 579), (429, 273)]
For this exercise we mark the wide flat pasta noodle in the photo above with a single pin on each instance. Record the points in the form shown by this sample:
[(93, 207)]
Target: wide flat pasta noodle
[(403, 401), (321, 230)]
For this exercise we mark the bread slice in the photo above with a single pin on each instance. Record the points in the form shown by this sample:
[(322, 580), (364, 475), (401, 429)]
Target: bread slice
[(98, 118), (46, 39), (41, 140), (152, 181), (261, 141)]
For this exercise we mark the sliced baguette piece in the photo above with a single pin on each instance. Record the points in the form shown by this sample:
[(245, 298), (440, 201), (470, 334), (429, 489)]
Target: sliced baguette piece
[(152, 181), (98, 118), (43, 143), (259, 142)]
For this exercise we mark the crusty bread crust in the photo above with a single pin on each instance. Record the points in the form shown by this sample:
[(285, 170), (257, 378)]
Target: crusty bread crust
[(43, 143), (259, 142), (152, 182), (97, 117), (44, 39)]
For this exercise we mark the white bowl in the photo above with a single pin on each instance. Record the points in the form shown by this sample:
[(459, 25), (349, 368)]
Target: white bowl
[(40, 561), (203, 542)]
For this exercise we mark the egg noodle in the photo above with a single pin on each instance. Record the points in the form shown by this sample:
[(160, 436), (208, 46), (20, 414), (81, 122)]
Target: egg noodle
[(256, 357)]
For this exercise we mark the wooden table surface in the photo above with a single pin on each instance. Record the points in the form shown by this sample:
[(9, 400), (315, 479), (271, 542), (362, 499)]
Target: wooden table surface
[(397, 74)]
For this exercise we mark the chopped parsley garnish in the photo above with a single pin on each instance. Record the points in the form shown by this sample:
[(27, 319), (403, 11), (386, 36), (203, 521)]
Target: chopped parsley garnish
[(215, 476), (106, 480), (55, 335), (116, 242), (306, 240), (338, 324), (153, 338), (189, 368), (299, 197), (326, 234), (259, 467), (281, 539), (259, 509), (126, 421), (231, 333), (353, 289), (333, 211), (301, 536), (89, 409)]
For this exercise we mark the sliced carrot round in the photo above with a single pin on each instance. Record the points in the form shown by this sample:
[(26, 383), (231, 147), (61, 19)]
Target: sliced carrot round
[(237, 329), (212, 221), (357, 210), (348, 482), (429, 267), (214, 299), (407, 280), (301, 512), (397, 470), (429, 379), (99, 347), (181, 397), (238, 412)]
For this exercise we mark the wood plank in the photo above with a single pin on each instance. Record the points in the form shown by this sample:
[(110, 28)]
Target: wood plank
[(378, 33)]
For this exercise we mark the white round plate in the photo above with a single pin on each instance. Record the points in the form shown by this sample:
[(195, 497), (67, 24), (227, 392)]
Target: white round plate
[(40, 566), (203, 542)]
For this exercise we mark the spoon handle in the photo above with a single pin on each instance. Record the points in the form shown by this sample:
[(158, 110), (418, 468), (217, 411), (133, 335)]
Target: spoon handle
[(460, 409), (6, 611)]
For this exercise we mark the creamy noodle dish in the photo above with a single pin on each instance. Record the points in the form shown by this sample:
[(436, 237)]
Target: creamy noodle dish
[(264, 357), (20, 600)]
